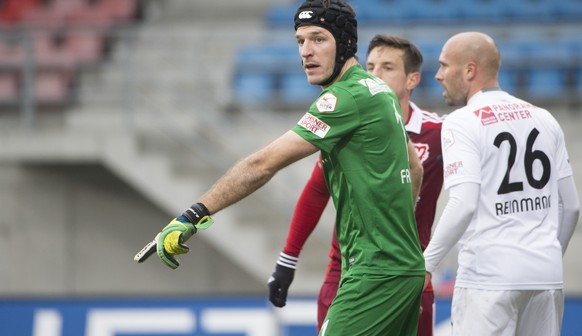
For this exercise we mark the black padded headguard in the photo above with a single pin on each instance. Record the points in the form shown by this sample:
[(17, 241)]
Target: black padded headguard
[(340, 20)]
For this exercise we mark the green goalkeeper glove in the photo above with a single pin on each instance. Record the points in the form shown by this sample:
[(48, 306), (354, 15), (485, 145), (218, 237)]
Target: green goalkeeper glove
[(171, 241)]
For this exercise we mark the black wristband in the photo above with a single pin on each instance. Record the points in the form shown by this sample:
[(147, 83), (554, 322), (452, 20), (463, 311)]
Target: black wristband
[(195, 213)]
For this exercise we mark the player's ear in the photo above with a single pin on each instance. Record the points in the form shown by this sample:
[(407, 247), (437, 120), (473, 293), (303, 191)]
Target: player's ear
[(471, 70), (412, 80)]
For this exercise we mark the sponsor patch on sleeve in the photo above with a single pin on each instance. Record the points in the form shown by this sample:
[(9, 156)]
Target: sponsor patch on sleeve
[(448, 139), (326, 103), (314, 125), (453, 169)]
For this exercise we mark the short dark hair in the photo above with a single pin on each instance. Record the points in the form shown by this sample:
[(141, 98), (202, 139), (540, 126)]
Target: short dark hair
[(412, 55)]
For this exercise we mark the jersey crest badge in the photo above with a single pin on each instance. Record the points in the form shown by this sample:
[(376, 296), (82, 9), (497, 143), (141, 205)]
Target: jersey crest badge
[(486, 115), (326, 103), (422, 151)]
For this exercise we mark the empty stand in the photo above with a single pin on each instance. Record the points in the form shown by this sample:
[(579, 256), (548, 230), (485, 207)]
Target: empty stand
[(541, 45), (60, 38), (374, 12)]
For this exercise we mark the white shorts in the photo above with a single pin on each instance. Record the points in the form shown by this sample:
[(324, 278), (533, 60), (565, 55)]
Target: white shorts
[(479, 312)]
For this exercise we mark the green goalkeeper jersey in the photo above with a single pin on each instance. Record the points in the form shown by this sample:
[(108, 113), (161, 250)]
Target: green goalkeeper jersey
[(357, 125)]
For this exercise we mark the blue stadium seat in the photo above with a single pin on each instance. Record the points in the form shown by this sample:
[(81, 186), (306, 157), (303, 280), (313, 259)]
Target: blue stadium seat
[(446, 11), (509, 81), (429, 87), (431, 50), (555, 52), (532, 10), (281, 16), (267, 57), (374, 12), (569, 9), (483, 10), (296, 90), (512, 53), (253, 88), (546, 83)]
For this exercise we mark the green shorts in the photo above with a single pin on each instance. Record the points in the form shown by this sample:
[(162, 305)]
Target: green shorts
[(369, 305)]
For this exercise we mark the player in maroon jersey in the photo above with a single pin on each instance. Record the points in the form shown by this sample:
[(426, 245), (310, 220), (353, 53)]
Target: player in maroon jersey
[(396, 61)]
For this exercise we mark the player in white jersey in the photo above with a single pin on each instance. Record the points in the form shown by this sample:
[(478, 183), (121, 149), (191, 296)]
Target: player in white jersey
[(512, 203)]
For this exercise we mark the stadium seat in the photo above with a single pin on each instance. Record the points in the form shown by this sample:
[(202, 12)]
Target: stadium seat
[(483, 10), (296, 90), (86, 46), (267, 57), (384, 11), (281, 16), (11, 11), (532, 10), (546, 83), (92, 16), (49, 50), (429, 87), (253, 88), (9, 87), (52, 88), (51, 13), (11, 54), (509, 80), (570, 10), (121, 11), (445, 11)]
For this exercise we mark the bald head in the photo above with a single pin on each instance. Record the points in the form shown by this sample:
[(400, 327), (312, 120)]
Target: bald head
[(479, 48), (469, 62)]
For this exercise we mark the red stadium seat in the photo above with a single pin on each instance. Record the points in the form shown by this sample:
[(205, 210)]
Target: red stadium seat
[(86, 46), (52, 88), (49, 51), (11, 11), (52, 14), (11, 55), (8, 87)]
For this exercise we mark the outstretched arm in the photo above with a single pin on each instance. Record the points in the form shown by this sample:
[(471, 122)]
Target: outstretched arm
[(252, 172), (245, 177)]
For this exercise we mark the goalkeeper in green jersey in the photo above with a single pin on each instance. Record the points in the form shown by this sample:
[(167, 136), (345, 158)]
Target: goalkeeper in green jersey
[(357, 126)]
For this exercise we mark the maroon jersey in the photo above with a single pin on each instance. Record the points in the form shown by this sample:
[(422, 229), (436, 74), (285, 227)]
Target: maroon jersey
[(424, 130)]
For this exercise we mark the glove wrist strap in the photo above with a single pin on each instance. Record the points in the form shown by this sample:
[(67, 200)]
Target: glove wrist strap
[(199, 216), (196, 213), (287, 260)]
